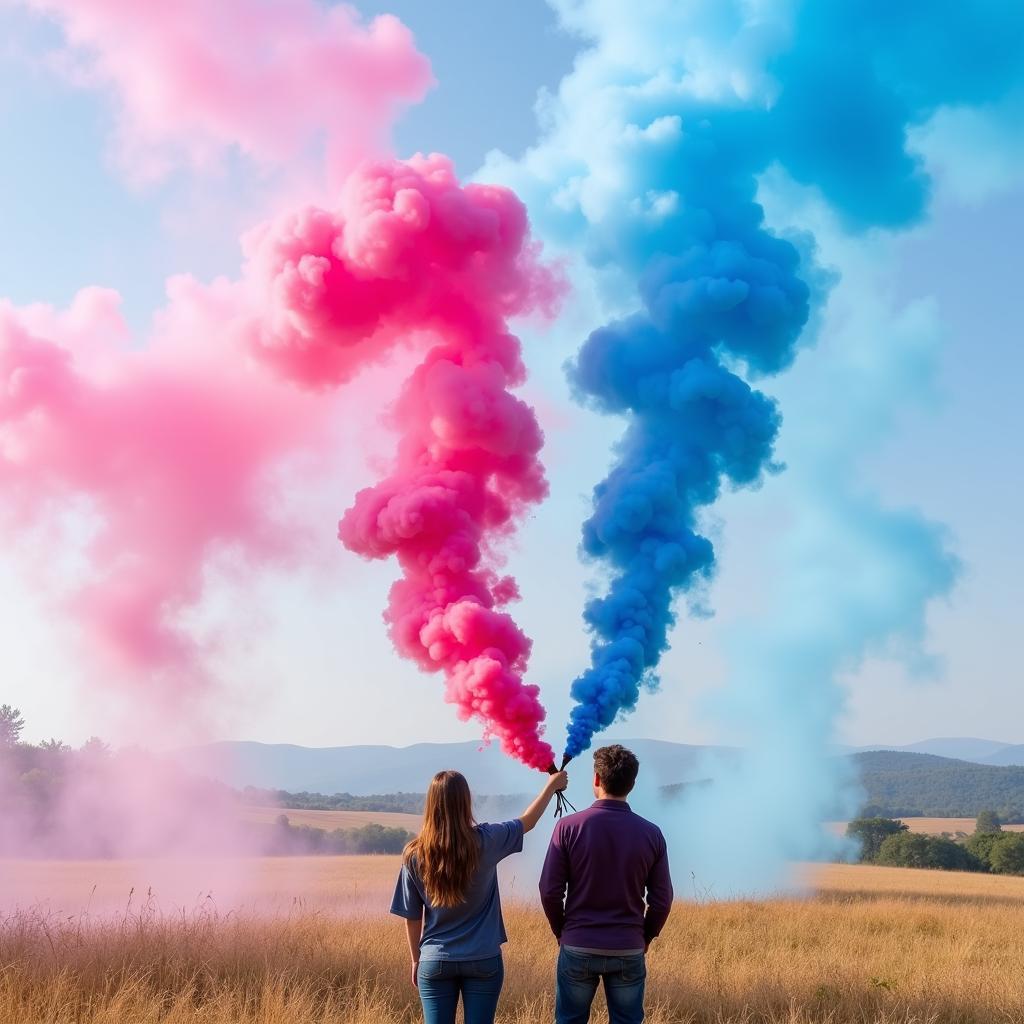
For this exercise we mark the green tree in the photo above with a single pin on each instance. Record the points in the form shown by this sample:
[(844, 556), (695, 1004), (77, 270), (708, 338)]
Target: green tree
[(1007, 856), (95, 747), (11, 724), (988, 821), (54, 746), (870, 833)]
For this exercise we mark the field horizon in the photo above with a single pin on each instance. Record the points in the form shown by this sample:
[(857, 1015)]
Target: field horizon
[(333, 819)]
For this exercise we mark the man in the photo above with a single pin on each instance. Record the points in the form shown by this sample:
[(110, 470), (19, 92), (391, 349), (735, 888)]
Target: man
[(607, 858)]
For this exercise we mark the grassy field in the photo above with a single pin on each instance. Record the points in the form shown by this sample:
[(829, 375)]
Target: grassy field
[(936, 826), (933, 826), (330, 820), (872, 945), (867, 882)]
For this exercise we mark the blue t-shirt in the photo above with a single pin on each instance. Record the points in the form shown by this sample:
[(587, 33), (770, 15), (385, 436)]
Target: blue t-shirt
[(474, 930)]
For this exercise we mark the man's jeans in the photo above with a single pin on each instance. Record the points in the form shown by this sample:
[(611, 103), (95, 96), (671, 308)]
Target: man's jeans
[(577, 978), (442, 981)]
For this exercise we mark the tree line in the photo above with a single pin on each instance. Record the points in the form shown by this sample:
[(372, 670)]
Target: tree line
[(308, 840), (56, 801), (486, 806), (403, 803), (889, 842)]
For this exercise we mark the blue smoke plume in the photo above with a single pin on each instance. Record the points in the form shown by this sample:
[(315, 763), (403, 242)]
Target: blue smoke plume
[(653, 153), (732, 291)]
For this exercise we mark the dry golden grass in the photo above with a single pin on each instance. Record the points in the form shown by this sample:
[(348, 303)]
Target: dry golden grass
[(936, 826), (876, 946), (868, 880), (264, 885), (330, 820)]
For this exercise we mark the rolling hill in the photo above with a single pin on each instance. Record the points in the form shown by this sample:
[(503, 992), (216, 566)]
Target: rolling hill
[(899, 783)]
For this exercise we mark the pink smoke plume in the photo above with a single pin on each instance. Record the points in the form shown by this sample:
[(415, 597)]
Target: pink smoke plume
[(194, 77), (410, 256)]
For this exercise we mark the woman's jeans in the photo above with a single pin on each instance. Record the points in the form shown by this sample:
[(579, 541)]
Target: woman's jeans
[(577, 980), (478, 981)]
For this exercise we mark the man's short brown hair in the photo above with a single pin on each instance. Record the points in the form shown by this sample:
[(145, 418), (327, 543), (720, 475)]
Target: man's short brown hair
[(617, 768)]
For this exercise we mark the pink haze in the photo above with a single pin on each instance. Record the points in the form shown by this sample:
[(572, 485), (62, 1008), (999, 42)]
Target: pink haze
[(195, 77)]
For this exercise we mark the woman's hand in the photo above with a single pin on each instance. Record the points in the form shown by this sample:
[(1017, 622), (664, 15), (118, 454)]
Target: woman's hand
[(414, 932), (553, 784), (415, 974)]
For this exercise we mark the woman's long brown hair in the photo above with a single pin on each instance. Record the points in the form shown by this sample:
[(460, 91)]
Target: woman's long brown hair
[(447, 850)]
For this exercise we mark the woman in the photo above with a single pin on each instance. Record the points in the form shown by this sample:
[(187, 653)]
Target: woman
[(448, 894)]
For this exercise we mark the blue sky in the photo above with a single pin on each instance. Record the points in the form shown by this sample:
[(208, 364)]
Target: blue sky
[(69, 220)]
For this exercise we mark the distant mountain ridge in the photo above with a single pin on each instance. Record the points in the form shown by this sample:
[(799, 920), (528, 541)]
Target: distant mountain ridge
[(963, 748), (365, 770), (1009, 755)]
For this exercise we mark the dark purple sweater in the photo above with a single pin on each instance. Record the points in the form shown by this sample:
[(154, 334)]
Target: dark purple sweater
[(607, 858)]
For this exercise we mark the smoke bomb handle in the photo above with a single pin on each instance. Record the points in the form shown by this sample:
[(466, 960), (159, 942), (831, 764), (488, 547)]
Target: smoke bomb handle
[(561, 801), (552, 770)]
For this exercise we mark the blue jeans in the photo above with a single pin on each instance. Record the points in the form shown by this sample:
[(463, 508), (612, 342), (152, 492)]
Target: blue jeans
[(576, 985), (478, 981)]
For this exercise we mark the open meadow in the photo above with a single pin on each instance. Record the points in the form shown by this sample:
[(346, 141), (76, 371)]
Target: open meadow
[(330, 820), (312, 943)]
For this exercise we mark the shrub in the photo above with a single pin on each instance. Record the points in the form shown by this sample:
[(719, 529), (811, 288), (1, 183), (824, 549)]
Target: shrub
[(910, 850)]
